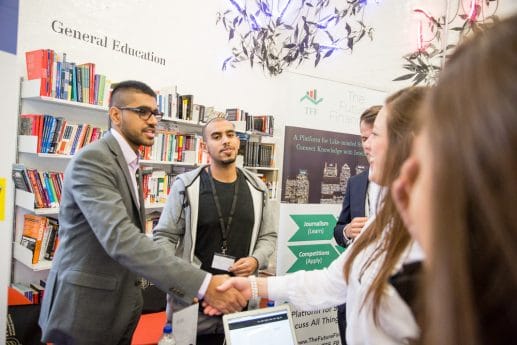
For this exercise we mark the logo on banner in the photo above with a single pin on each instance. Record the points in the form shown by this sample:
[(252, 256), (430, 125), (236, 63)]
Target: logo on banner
[(312, 96)]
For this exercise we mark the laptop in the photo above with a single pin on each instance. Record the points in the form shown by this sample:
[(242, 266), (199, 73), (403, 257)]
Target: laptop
[(272, 326)]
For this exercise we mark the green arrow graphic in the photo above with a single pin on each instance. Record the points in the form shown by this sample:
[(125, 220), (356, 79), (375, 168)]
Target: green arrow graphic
[(312, 256), (313, 227), (339, 249)]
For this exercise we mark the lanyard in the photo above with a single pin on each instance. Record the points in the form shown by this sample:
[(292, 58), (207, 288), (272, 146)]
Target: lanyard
[(225, 230)]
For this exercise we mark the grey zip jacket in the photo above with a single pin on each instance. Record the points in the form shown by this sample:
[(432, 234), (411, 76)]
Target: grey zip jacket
[(177, 226)]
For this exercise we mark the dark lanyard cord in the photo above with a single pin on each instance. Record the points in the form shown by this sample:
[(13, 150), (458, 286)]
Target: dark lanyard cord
[(225, 230)]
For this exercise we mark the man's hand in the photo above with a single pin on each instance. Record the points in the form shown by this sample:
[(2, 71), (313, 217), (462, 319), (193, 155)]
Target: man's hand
[(236, 283), (224, 301), (244, 266), (353, 229)]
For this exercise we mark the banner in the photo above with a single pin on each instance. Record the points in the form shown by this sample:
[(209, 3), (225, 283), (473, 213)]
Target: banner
[(9, 26), (318, 164), (307, 234)]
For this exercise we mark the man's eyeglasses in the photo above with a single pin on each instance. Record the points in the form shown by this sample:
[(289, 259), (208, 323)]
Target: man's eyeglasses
[(144, 112)]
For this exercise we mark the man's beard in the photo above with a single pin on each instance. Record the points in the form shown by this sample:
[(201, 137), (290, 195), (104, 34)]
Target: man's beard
[(228, 161)]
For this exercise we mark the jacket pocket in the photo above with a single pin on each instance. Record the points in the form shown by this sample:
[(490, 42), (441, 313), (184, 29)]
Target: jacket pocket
[(90, 280), (93, 300)]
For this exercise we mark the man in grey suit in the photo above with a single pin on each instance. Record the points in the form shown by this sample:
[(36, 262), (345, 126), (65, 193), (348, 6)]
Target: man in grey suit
[(93, 294)]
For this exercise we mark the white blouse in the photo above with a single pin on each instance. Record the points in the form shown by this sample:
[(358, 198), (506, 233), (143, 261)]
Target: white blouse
[(314, 290)]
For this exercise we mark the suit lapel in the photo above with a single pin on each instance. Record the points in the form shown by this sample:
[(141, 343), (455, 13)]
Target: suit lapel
[(119, 158), (362, 187), (141, 201)]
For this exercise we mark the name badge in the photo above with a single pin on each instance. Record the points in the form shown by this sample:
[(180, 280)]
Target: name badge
[(222, 262)]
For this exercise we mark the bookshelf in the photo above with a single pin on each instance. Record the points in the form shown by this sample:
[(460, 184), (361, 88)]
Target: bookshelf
[(257, 153), (24, 256), (28, 155), (30, 91), (25, 270), (160, 171)]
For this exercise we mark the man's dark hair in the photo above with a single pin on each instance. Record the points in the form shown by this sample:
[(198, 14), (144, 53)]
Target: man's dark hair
[(368, 116), (117, 94), (215, 119)]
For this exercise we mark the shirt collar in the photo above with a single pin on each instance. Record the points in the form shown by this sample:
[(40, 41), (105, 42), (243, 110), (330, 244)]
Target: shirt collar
[(130, 156)]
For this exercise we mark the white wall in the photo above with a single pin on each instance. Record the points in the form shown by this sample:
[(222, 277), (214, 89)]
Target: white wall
[(9, 92)]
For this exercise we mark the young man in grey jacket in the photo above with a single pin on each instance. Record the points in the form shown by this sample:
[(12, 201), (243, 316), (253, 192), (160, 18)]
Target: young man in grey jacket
[(218, 217)]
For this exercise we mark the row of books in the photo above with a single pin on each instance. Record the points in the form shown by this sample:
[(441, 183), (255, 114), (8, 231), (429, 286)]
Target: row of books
[(40, 235), (236, 114), (56, 135), (171, 147), (258, 154), (34, 292), (260, 123), (67, 80), (179, 107), (272, 186), (45, 185), (156, 185)]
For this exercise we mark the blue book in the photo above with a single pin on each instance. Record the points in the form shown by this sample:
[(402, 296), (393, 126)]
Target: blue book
[(47, 123), (52, 133), (76, 139), (73, 82), (50, 191), (58, 79)]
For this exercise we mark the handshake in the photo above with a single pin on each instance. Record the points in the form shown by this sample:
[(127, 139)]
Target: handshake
[(228, 295)]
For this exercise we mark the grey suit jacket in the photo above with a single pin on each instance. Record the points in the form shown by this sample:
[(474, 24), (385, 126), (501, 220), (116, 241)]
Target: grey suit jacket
[(91, 294)]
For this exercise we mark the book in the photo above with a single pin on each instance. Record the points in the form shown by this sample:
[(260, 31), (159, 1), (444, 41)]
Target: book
[(37, 62), (72, 139), (39, 289), (27, 124), (20, 178), (56, 183), (44, 242), (58, 134), (51, 191), (185, 108), (65, 139), (79, 135), (233, 114), (24, 290), (50, 247), (36, 189), (49, 201), (79, 83), (33, 231)]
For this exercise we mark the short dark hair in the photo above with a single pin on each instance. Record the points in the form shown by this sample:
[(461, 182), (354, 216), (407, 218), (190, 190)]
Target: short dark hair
[(129, 85), (215, 119), (368, 116)]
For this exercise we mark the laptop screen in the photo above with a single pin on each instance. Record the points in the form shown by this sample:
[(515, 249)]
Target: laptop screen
[(272, 326)]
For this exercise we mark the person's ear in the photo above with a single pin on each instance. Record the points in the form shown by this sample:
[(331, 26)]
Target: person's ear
[(401, 190), (115, 116)]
